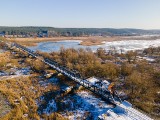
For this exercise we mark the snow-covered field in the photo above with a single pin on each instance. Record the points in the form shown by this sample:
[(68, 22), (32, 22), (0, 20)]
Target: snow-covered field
[(84, 105), (127, 45), (79, 105), (14, 73)]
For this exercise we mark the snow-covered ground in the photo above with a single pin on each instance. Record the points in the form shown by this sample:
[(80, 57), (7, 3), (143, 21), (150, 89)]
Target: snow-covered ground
[(127, 45), (85, 105), (23, 71), (146, 58), (79, 105), (3, 73), (51, 107), (149, 59), (84, 102), (14, 73)]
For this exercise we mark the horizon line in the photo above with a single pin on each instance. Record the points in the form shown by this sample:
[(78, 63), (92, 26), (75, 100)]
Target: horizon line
[(85, 27)]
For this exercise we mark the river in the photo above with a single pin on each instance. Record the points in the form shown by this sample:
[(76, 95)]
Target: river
[(125, 45)]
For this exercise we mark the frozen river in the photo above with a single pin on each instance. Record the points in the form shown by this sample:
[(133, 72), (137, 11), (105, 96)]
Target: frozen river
[(125, 45)]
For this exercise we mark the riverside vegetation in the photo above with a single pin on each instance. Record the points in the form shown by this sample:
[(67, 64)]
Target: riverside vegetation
[(139, 79), (18, 94)]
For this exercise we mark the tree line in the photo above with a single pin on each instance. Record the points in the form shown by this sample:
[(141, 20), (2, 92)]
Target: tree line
[(35, 31)]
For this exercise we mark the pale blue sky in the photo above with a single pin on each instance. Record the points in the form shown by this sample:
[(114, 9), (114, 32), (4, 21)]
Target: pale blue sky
[(81, 13)]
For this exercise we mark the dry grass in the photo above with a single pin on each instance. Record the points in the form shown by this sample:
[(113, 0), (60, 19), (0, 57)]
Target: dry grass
[(4, 59), (21, 93)]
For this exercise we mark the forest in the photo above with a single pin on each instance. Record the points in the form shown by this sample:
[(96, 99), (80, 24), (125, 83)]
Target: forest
[(29, 31)]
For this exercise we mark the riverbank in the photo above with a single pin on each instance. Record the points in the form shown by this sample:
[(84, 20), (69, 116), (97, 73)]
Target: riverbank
[(86, 41)]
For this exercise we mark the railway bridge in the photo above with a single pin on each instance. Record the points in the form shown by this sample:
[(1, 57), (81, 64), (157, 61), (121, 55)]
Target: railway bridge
[(104, 93), (95, 88)]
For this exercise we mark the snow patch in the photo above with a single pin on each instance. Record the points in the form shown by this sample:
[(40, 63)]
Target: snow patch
[(85, 105), (3, 73), (93, 80), (127, 45), (23, 71)]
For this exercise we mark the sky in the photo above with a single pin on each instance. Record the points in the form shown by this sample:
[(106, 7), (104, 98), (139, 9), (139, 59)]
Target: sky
[(142, 14)]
